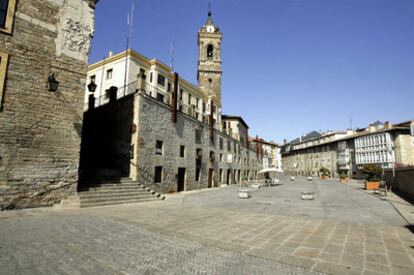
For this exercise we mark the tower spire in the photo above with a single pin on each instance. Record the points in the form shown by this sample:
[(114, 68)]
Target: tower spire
[(209, 9)]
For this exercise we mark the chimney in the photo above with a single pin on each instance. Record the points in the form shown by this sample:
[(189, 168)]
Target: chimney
[(372, 128), (349, 132), (284, 141), (110, 54), (387, 125)]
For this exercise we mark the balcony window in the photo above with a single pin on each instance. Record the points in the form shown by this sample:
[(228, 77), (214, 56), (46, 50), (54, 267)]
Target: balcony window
[(161, 80), (109, 73)]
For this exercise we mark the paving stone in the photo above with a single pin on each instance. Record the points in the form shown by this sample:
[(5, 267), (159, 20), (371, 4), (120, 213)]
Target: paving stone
[(334, 248), (307, 252), (266, 254), (400, 259), (376, 258), (378, 267), (353, 260), (297, 261), (336, 269)]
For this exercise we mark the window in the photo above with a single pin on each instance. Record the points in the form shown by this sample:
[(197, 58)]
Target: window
[(158, 147), (109, 74), (180, 96), (210, 80), (197, 102), (182, 151), (92, 78), (161, 80), (198, 136), (160, 97), (141, 71), (168, 87), (221, 157), (6, 15), (4, 58), (204, 107), (210, 50), (158, 174), (151, 77), (221, 144), (189, 99), (228, 146)]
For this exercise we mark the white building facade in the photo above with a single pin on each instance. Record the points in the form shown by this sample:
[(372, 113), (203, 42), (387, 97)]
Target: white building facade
[(376, 149)]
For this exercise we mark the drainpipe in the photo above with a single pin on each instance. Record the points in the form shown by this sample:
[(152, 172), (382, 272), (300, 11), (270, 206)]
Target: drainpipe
[(211, 119), (174, 99)]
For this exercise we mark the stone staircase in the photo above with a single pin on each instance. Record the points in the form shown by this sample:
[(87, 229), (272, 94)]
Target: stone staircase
[(111, 191)]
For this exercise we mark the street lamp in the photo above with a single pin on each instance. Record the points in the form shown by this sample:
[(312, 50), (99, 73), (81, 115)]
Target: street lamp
[(92, 86)]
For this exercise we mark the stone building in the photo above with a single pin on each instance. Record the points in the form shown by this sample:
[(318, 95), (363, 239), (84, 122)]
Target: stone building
[(385, 144), (41, 42), (145, 122)]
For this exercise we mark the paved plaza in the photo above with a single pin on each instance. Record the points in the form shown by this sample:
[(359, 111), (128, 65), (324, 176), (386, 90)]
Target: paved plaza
[(341, 231)]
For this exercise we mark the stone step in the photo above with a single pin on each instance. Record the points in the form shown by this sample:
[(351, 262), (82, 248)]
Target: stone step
[(114, 202), (98, 195), (106, 181), (113, 186)]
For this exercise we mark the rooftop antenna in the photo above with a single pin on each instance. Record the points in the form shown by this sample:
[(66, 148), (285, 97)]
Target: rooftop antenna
[(350, 122), (172, 55), (130, 23)]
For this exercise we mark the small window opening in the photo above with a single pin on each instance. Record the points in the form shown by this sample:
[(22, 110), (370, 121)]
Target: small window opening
[(158, 147), (210, 51)]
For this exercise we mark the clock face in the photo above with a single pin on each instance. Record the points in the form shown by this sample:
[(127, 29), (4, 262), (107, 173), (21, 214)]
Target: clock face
[(210, 29)]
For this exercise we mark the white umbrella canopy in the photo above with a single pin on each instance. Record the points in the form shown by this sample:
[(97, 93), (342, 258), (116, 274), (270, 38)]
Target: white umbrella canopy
[(266, 170)]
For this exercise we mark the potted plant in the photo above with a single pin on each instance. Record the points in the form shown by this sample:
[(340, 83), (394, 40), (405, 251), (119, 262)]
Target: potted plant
[(343, 176), (324, 172), (373, 174)]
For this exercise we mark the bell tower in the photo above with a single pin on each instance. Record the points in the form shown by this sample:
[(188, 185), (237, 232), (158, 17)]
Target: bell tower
[(209, 60)]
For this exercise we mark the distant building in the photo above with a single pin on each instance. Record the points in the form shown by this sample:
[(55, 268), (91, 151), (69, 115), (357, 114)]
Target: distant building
[(268, 152), (385, 144)]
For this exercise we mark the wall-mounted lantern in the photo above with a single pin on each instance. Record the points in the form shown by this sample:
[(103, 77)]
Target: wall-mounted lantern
[(92, 86), (53, 83)]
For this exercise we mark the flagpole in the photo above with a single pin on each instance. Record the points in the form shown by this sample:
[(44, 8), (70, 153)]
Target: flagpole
[(130, 23)]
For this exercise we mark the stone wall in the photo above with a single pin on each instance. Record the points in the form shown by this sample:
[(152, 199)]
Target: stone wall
[(403, 182), (154, 123), (40, 131)]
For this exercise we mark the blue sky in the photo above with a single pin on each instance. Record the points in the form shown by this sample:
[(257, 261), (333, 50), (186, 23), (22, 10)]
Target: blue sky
[(289, 66)]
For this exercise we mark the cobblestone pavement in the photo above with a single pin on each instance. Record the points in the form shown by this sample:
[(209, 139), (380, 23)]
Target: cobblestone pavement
[(85, 244), (343, 231)]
